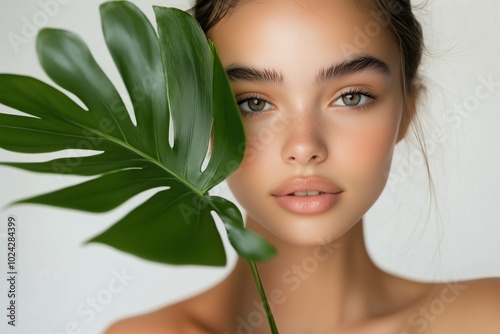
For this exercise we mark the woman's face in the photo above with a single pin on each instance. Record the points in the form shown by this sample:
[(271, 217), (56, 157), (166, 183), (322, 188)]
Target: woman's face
[(318, 83)]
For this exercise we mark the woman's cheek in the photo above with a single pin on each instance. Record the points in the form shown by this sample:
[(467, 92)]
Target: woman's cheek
[(249, 155), (369, 153), (251, 166), (260, 135)]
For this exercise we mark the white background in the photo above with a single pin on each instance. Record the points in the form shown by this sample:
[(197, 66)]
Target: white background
[(58, 276)]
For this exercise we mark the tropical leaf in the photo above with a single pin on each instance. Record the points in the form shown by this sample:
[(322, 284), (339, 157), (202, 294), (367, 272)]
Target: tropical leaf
[(175, 82)]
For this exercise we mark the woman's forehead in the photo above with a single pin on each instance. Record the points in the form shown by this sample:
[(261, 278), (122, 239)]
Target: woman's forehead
[(272, 32)]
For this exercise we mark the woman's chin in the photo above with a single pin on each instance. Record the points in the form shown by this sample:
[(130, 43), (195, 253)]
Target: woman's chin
[(302, 231)]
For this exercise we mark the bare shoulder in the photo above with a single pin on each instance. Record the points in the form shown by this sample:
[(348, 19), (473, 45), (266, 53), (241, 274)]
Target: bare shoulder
[(169, 320), (200, 314), (195, 315), (465, 307)]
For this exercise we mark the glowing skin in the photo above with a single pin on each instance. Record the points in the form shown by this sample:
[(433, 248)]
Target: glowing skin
[(307, 139), (305, 129)]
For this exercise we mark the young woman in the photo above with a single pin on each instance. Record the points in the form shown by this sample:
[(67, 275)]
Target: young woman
[(326, 89)]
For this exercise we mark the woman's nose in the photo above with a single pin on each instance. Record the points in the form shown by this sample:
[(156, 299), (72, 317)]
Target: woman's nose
[(304, 143)]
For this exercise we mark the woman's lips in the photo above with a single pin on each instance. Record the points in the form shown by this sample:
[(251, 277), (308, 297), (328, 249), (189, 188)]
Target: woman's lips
[(307, 195)]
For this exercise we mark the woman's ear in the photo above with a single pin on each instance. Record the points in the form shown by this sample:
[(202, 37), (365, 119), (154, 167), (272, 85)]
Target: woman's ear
[(406, 120), (409, 113)]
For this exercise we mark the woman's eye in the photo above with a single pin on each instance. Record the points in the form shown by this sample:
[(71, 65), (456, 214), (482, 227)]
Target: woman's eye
[(353, 99), (253, 104)]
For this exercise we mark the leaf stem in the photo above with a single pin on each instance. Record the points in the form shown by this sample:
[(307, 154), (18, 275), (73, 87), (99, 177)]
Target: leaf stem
[(263, 298)]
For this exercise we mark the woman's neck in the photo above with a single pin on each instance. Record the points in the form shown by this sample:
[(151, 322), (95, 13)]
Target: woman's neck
[(330, 285)]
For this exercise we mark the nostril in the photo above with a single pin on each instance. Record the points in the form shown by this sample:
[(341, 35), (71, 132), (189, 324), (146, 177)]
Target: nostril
[(304, 154)]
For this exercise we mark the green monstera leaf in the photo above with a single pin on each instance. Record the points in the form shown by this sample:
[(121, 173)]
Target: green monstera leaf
[(181, 102)]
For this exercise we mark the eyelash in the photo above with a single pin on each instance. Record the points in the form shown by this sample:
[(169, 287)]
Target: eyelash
[(247, 98), (352, 91)]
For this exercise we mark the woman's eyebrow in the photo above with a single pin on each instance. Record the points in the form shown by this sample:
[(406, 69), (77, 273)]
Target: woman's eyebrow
[(350, 66), (237, 72)]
